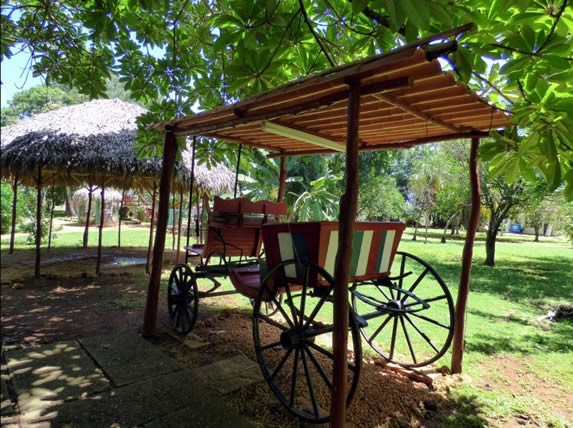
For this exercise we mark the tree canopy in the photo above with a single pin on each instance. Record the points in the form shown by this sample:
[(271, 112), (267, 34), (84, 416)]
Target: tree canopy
[(179, 54)]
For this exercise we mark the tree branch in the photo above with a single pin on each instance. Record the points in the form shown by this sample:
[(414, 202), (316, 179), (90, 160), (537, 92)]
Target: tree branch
[(555, 22), (316, 36)]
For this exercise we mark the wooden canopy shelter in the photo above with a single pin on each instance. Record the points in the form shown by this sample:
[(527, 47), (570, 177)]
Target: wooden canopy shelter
[(396, 100)]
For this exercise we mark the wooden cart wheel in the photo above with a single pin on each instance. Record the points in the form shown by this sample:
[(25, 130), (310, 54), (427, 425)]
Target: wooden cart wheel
[(269, 308), (182, 299), (294, 346), (410, 316)]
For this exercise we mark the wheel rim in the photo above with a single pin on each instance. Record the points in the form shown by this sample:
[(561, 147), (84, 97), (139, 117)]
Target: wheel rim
[(414, 321), (182, 299), (292, 346)]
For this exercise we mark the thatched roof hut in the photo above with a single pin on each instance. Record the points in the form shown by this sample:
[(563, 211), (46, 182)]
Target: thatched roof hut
[(93, 142), (82, 195), (89, 141)]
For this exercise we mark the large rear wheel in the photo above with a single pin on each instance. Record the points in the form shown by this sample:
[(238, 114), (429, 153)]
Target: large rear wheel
[(294, 346)]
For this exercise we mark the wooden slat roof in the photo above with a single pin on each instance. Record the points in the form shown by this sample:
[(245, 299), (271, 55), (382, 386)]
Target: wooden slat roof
[(406, 100)]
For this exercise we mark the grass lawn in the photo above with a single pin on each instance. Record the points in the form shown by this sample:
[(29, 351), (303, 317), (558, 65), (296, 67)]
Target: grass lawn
[(514, 364)]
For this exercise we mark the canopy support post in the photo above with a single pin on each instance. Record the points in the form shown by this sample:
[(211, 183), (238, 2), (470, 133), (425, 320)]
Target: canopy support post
[(169, 155), (237, 170), (14, 205), (348, 208), (464, 289), (193, 148), (282, 180), (119, 215), (38, 223), (100, 232)]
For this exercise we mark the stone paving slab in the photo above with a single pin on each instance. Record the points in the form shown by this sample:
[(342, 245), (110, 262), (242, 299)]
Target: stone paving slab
[(126, 357), (46, 376), (191, 340), (177, 399), (230, 374)]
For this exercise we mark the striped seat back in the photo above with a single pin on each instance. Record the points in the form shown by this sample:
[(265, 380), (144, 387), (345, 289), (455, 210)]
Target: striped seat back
[(374, 245)]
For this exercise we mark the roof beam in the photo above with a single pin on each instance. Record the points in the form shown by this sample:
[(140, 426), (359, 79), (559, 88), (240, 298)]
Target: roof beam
[(243, 116), (303, 135), (389, 146), (420, 114)]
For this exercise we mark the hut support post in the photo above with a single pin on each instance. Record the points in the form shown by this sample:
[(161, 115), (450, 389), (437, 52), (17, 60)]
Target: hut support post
[(149, 245), (88, 214), (169, 155), (282, 180), (51, 219), (191, 196), (38, 222), (461, 303), (119, 217), (237, 171), (100, 232), (348, 207), (14, 205)]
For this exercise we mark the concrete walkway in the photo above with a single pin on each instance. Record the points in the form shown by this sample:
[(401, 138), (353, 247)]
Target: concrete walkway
[(117, 380)]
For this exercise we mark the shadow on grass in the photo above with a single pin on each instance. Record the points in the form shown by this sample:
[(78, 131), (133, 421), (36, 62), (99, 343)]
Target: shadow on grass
[(561, 341), (464, 411)]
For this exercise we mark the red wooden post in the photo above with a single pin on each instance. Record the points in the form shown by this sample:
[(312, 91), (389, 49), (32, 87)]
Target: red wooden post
[(38, 222), (461, 303), (179, 219), (169, 155), (348, 208), (282, 180)]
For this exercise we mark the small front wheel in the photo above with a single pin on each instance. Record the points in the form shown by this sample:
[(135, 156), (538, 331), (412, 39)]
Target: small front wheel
[(182, 299)]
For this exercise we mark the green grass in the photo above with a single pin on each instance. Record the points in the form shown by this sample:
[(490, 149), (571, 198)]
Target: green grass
[(504, 307)]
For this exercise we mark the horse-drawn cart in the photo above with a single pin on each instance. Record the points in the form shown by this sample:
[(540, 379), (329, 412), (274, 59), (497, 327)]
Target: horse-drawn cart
[(400, 305)]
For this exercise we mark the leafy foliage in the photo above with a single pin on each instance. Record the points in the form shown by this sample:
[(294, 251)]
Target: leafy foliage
[(181, 55)]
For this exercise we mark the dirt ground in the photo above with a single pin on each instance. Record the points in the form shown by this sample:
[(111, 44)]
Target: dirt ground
[(69, 302)]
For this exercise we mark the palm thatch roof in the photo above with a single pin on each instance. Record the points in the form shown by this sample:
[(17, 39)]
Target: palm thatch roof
[(92, 141), (110, 195)]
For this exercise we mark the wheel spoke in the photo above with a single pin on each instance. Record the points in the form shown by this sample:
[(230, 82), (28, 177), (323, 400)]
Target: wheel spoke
[(319, 368), (328, 354), (310, 385), (431, 299), (272, 322), (421, 333), (416, 283), (294, 375), (393, 340), (407, 336), (317, 309), (281, 364), (268, 346), (439, 324), (379, 329)]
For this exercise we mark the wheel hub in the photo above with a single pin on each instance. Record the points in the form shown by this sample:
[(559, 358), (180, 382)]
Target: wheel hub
[(291, 338), (396, 306)]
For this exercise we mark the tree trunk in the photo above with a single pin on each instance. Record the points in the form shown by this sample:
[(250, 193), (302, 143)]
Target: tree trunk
[(450, 220), (490, 244), (119, 218), (69, 205), (427, 220), (415, 231), (537, 234)]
